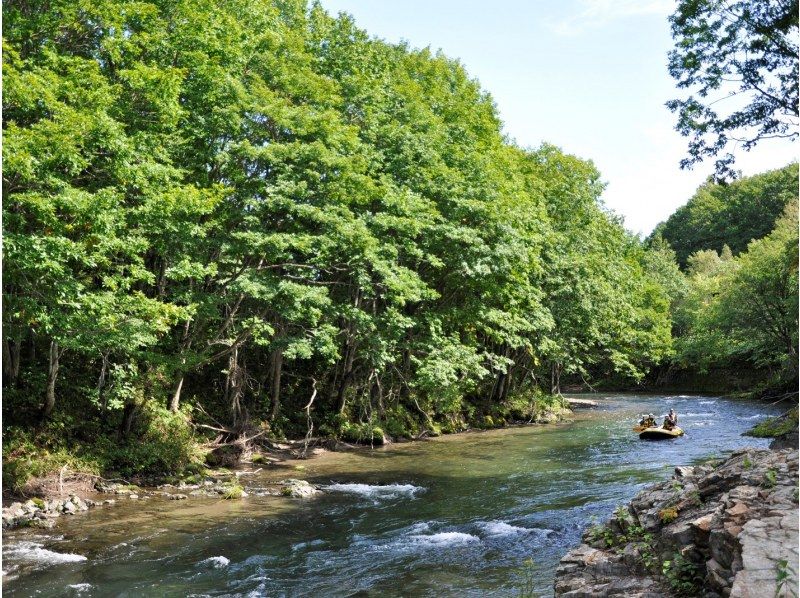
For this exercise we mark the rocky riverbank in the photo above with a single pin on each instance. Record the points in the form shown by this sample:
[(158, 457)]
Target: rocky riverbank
[(729, 529), (43, 513)]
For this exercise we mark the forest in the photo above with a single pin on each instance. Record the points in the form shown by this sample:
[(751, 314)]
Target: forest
[(235, 218)]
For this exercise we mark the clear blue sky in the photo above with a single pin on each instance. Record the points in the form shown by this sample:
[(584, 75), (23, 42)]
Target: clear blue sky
[(587, 75)]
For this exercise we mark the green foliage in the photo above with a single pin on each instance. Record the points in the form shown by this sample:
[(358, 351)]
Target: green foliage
[(732, 214), (745, 48), (362, 432), (245, 205), (770, 478), (743, 310), (37, 454), (776, 426), (785, 578), (668, 515), (603, 535), (684, 577), (526, 573), (164, 443)]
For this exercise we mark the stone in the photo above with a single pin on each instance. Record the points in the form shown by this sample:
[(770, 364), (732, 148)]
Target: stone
[(737, 509), (225, 456), (684, 472), (298, 489), (178, 497), (45, 523), (703, 523)]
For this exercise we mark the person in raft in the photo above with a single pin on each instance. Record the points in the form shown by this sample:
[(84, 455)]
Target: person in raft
[(671, 420), (648, 422)]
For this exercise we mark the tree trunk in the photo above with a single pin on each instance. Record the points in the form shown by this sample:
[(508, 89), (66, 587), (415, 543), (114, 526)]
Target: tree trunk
[(128, 416), (350, 355), (555, 378), (233, 386), (11, 359), (275, 383), (52, 374), (347, 377), (101, 380), (174, 402)]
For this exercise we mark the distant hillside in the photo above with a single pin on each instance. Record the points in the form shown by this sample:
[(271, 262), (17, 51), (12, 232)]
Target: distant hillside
[(730, 214)]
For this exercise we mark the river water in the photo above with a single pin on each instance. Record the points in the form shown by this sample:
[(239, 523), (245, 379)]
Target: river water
[(456, 515)]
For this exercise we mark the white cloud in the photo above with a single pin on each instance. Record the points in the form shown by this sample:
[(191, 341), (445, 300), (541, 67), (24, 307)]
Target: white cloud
[(597, 13)]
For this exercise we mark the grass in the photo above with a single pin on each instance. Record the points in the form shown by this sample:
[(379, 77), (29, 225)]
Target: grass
[(233, 491)]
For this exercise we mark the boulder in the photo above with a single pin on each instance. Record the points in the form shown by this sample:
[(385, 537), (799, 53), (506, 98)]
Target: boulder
[(737, 522), (225, 456), (298, 489)]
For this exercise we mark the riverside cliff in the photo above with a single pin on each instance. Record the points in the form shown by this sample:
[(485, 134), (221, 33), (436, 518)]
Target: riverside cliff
[(724, 530)]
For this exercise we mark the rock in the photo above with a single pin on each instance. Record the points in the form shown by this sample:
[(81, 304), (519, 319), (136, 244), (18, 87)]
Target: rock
[(738, 508), (737, 522), (703, 523), (225, 456), (133, 496), (177, 497), (68, 507), (581, 403), (785, 441), (45, 523), (298, 489)]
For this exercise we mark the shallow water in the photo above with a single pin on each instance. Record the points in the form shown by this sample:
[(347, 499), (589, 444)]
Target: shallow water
[(456, 515)]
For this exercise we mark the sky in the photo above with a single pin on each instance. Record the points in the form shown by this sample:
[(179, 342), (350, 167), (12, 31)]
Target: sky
[(589, 76)]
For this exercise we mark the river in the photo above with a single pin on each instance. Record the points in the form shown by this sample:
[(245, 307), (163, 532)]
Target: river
[(456, 515)]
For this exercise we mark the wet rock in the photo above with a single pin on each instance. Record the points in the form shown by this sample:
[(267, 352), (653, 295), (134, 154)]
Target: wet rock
[(178, 497), (298, 489), (785, 441), (581, 403), (45, 523)]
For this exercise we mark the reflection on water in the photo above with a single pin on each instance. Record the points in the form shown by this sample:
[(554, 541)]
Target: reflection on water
[(455, 515)]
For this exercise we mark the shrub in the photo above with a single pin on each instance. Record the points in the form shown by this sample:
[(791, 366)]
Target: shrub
[(399, 423), (684, 577), (770, 479), (163, 444), (668, 515), (31, 454), (363, 433)]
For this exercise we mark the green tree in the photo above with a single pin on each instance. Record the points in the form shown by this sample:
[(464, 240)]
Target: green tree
[(740, 62), (729, 214)]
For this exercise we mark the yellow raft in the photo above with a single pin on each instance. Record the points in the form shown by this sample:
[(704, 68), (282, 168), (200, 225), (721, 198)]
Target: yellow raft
[(660, 433)]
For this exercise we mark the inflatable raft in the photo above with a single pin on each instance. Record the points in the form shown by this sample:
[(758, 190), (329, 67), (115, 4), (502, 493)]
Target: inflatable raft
[(660, 433)]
